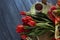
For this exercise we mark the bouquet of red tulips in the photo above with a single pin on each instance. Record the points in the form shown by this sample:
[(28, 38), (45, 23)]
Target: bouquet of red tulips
[(38, 23)]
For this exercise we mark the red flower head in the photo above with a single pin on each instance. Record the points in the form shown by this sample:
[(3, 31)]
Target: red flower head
[(32, 23), (20, 28), (23, 13), (23, 37), (50, 13), (58, 3), (26, 19), (53, 8)]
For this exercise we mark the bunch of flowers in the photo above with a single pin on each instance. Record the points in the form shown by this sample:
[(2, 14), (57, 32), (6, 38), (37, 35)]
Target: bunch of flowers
[(27, 22), (38, 24)]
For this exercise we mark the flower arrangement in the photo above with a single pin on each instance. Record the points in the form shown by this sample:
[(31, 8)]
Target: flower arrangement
[(38, 23)]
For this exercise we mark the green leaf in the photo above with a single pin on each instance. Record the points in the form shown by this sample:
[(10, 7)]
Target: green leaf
[(28, 27), (42, 25), (37, 18), (42, 15), (32, 34)]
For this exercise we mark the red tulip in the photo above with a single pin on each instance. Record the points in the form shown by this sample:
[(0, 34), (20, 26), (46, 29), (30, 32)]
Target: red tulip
[(23, 13), (24, 20), (58, 3), (50, 15), (53, 8), (20, 28), (28, 18), (32, 23), (57, 20), (24, 37)]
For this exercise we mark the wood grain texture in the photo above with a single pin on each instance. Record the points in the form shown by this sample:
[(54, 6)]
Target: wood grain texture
[(45, 37)]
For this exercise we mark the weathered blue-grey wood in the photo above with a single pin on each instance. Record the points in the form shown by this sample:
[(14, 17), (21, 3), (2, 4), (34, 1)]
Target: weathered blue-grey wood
[(9, 18)]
